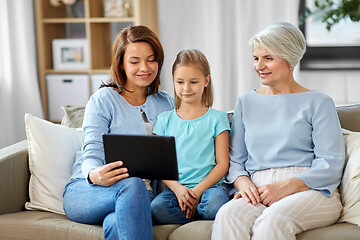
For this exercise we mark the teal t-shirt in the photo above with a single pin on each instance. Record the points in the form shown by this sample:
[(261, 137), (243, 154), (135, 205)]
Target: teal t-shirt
[(195, 142)]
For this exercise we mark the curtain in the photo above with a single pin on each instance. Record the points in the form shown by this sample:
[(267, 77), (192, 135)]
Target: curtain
[(19, 88), (221, 30)]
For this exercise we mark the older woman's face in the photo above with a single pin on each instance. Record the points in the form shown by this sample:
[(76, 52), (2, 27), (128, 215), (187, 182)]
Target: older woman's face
[(271, 70)]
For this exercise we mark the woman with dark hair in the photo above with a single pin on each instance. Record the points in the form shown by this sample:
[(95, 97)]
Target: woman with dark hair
[(100, 193)]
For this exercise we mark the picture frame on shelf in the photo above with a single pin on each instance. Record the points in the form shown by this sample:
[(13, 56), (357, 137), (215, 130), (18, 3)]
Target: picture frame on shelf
[(70, 54), (118, 8)]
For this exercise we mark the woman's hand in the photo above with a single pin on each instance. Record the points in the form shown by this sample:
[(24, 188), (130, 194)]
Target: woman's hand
[(107, 175), (274, 192), (247, 190), (186, 197)]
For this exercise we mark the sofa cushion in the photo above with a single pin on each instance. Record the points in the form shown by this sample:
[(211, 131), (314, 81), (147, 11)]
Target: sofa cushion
[(52, 150), (39, 225), (199, 230), (73, 116), (350, 183), (339, 231), (162, 232)]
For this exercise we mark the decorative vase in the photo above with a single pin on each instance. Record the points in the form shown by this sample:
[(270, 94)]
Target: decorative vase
[(69, 11)]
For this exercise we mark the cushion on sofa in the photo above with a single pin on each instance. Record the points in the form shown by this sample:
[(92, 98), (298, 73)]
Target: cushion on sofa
[(340, 231), (39, 225), (73, 116), (52, 150), (350, 183), (199, 230)]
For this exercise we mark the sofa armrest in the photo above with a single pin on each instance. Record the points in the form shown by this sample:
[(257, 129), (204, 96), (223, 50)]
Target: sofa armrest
[(14, 177)]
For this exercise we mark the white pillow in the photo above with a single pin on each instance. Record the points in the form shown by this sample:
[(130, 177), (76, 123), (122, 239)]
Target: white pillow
[(350, 183), (52, 150)]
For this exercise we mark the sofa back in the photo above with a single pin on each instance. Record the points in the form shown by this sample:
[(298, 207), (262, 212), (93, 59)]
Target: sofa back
[(349, 117), (14, 165)]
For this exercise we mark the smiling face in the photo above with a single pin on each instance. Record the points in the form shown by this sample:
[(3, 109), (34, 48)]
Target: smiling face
[(189, 83), (271, 70), (140, 65)]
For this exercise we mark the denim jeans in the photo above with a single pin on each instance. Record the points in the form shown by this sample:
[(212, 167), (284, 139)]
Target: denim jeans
[(122, 208), (165, 208)]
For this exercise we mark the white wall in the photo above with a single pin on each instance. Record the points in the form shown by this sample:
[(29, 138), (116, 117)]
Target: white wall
[(221, 30), (342, 86)]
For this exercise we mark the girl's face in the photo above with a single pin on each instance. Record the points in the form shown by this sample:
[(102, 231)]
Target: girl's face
[(271, 70), (140, 65), (189, 83)]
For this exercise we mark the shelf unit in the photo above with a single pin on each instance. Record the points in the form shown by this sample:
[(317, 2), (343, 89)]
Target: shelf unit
[(52, 23)]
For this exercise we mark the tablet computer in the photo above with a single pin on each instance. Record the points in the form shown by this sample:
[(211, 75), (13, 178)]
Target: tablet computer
[(145, 156)]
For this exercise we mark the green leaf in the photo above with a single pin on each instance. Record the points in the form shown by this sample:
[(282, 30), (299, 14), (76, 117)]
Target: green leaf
[(332, 12)]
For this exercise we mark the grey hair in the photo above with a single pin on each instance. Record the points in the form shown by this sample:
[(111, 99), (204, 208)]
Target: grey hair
[(283, 40)]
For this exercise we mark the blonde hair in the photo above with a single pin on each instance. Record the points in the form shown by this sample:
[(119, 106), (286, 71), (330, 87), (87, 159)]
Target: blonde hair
[(197, 59), (283, 40)]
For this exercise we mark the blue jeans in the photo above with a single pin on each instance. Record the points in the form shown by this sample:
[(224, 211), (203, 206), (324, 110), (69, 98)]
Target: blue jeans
[(165, 208), (122, 208)]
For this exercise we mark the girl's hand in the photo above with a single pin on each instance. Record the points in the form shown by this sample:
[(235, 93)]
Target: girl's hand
[(274, 192), (107, 175), (190, 212), (247, 190), (186, 197), (198, 192)]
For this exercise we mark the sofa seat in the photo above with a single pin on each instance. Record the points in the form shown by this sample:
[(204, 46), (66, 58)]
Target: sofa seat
[(39, 225), (339, 231)]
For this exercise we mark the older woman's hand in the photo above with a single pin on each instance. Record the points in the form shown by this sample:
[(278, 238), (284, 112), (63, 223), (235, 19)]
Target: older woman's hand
[(108, 174), (274, 192), (247, 190)]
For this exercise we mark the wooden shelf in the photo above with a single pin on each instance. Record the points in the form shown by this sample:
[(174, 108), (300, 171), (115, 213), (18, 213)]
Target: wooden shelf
[(85, 20), (64, 20), (111, 20), (52, 23)]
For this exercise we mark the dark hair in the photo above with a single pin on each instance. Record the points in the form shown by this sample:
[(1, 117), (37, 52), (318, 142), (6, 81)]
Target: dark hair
[(133, 34)]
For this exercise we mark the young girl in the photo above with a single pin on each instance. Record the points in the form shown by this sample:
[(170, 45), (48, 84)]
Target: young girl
[(201, 136)]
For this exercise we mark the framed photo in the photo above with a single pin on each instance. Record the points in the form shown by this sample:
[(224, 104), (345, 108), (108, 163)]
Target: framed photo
[(118, 8), (338, 49), (70, 54)]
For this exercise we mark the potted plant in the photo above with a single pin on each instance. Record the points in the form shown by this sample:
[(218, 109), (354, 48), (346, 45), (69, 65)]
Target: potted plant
[(333, 11)]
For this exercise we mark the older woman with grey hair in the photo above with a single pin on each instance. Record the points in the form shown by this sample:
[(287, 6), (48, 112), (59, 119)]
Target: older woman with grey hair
[(286, 149)]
